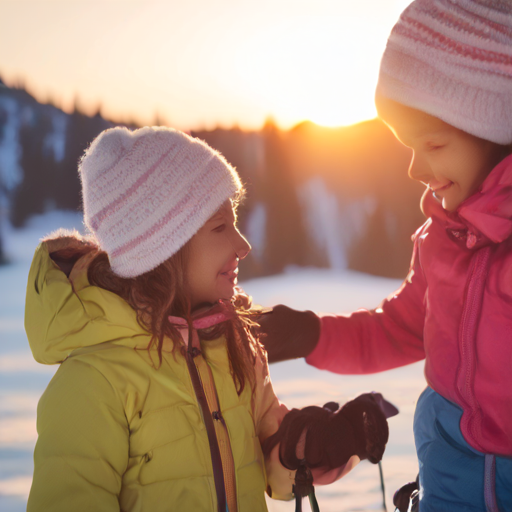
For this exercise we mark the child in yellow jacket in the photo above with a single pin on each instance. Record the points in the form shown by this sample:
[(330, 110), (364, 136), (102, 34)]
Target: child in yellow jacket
[(163, 398)]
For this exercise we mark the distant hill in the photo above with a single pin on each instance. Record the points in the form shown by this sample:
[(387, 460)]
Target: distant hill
[(330, 197)]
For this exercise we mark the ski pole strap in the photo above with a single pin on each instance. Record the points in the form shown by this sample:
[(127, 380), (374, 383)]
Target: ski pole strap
[(304, 487)]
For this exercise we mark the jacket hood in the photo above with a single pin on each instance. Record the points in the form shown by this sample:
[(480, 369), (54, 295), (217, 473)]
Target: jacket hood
[(63, 312), (485, 217)]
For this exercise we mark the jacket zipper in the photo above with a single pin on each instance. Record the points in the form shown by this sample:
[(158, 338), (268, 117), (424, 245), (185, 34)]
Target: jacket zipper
[(228, 466), (218, 472), (467, 338)]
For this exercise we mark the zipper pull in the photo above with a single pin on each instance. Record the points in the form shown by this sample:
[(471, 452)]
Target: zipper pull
[(194, 352), (471, 240)]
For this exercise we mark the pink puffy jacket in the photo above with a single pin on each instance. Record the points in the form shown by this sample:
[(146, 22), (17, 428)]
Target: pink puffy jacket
[(454, 309)]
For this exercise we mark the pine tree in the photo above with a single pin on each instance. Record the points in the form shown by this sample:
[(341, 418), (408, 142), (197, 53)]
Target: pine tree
[(32, 195), (287, 239)]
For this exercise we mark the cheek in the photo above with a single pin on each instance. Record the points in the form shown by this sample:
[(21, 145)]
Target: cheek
[(476, 174), (203, 271), (476, 164), (198, 270), (195, 266)]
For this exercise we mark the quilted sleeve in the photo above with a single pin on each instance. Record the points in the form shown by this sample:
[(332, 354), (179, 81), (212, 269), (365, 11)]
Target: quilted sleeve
[(82, 448)]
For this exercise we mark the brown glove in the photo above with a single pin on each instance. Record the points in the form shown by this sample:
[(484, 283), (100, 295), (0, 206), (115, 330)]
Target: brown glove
[(288, 333), (333, 436)]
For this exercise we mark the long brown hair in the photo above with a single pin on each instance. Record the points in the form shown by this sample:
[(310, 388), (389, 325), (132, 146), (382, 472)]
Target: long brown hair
[(161, 293)]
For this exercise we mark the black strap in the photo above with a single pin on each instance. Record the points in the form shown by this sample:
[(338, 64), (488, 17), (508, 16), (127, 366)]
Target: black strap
[(304, 487), (218, 473)]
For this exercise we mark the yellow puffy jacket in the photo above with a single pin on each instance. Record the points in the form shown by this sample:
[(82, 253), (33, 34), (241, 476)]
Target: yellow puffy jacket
[(118, 434)]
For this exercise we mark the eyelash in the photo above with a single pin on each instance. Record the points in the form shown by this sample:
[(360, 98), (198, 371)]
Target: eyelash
[(220, 228), (433, 147)]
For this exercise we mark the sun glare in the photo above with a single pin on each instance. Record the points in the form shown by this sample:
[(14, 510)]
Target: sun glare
[(319, 69), (344, 113)]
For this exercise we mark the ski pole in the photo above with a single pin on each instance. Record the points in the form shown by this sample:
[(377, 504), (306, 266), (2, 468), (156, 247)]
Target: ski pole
[(304, 487), (382, 487)]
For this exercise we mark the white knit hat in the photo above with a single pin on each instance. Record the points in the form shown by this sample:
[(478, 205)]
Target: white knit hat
[(453, 60), (147, 192)]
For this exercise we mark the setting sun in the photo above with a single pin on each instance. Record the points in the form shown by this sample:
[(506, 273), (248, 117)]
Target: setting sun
[(312, 68)]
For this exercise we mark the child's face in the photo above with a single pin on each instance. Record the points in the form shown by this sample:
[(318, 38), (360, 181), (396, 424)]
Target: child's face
[(214, 252), (449, 161)]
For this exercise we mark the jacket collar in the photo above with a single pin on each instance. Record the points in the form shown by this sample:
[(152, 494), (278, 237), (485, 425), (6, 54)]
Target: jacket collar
[(485, 217), (205, 318)]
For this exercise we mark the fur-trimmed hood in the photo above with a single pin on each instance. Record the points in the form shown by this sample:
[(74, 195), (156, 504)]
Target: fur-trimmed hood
[(63, 312)]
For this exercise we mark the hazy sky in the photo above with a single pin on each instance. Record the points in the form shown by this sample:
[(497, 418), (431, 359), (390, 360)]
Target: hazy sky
[(201, 63)]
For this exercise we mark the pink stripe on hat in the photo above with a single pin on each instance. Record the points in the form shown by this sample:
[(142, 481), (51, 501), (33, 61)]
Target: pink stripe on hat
[(183, 205), (101, 215), (439, 40)]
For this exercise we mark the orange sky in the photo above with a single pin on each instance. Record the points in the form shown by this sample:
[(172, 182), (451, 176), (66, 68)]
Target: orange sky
[(201, 63)]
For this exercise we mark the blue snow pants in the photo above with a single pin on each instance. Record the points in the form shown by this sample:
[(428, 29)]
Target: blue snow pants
[(454, 477)]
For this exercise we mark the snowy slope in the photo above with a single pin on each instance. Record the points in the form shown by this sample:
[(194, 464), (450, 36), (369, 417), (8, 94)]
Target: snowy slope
[(22, 380)]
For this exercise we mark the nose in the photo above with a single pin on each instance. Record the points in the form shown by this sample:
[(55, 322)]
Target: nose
[(419, 170), (241, 246)]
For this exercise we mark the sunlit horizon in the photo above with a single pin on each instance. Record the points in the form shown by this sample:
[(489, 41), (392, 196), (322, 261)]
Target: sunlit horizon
[(321, 119), (195, 65)]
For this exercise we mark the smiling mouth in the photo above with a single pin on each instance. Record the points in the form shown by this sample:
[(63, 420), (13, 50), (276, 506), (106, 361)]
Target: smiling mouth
[(232, 275), (440, 189)]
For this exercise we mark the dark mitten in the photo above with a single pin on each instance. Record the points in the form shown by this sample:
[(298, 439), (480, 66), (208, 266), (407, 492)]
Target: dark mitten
[(331, 437), (370, 433), (310, 421), (288, 333)]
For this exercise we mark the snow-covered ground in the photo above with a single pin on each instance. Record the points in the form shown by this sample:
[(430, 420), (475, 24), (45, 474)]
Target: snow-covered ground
[(22, 380)]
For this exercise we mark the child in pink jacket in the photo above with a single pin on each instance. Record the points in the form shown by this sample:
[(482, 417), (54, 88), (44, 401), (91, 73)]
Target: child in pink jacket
[(445, 90)]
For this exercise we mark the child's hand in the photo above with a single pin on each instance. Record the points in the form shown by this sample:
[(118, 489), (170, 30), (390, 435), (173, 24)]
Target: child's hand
[(327, 437), (367, 418), (288, 333)]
